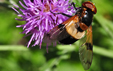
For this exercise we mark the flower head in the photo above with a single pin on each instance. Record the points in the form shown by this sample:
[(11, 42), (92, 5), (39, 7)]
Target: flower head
[(39, 20)]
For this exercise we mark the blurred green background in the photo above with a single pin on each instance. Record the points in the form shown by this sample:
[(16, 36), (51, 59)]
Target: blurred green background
[(15, 56)]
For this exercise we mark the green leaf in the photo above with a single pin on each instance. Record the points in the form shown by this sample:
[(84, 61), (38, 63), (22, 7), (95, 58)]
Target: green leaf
[(9, 32), (102, 51), (13, 48)]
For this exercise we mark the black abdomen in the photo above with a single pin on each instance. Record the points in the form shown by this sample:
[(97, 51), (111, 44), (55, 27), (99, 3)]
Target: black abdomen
[(68, 40)]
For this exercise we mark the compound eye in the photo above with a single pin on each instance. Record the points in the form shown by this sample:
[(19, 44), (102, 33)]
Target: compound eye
[(90, 5)]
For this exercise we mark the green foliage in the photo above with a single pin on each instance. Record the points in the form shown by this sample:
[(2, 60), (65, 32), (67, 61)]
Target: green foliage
[(14, 56)]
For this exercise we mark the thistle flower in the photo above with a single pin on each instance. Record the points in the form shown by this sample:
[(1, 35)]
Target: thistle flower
[(39, 20)]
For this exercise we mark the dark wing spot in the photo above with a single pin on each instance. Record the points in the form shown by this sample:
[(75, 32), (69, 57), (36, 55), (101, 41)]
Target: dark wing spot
[(60, 26), (88, 62), (89, 46)]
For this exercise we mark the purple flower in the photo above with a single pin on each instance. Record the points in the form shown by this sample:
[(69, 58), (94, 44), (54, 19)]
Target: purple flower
[(39, 20)]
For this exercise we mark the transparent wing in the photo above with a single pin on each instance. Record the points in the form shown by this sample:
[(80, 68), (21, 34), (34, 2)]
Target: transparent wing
[(60, 32), (86, 49)]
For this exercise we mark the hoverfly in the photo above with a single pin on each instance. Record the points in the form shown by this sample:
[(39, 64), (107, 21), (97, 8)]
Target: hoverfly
[(77, 27)]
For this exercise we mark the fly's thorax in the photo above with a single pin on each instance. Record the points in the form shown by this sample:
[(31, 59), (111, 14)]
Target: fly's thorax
[(85, 19)]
